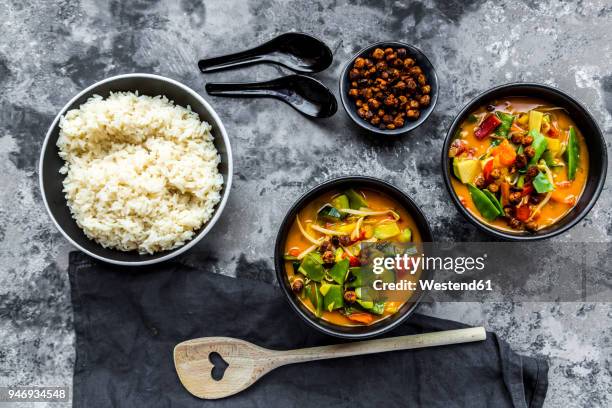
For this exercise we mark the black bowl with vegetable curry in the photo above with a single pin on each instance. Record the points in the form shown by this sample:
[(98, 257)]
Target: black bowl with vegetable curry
[(524, 161), (317, 254)]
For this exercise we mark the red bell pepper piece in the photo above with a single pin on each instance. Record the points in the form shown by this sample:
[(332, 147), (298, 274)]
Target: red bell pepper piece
[(488, 168), (487, 127), (523, 212), (354, 261)]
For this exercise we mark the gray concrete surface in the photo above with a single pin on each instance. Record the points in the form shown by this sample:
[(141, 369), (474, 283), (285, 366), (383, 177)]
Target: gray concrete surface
[(50, 50)]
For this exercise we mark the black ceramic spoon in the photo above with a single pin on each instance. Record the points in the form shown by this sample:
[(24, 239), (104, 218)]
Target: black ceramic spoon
[(297, 51), (305, 94)]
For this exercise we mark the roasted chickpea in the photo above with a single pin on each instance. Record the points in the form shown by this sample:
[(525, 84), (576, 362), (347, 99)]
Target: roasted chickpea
[(480, 181), (408, 62), (354, 74), (515, 197), (387, 119), (297, 285), (426, 89), (517, 138), (359, 102), (521, 161), (425, 100), (416, 70), (400, 86), (350, 296), (413, 104), (378, 53), (388, 51), (390, 100), (381, 65), (359, 63), (353, 93), (391, 57), (375, 120), (373, 103), (413, 114), (328, 257), (361, 112), (495, 174), (514, 223), (530, 151), (532, 171), (527, 140), (398, 121), (421, 79), (390, 126)]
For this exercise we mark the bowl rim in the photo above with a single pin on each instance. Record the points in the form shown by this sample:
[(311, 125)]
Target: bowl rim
[(496, 232), (370, 128), (220, 206), (281, 238)]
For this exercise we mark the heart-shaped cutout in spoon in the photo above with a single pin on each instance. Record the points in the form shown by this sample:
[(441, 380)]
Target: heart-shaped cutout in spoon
[(219, 366)]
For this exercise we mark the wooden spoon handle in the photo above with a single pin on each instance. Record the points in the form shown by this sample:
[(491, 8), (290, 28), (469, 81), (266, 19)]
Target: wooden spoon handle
[(414, 341)]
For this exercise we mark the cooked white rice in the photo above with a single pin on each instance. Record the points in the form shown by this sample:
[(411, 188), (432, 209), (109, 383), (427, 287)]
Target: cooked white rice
[(141, 172)]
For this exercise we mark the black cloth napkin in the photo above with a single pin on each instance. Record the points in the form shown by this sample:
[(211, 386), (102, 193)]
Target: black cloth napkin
[(127, 322)]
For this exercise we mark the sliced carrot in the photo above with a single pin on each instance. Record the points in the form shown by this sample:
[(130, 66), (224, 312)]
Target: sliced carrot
[(294, 251), (563, 197), (505, 192), (364, 318), (505, 153)]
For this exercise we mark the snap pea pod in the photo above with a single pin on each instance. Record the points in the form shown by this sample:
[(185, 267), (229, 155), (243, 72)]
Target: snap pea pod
[(339, 270), (539, 144), (494, 200), (572, 154), (332, 296), (506, 123), (482, 202), (312, 266), (315, 297)]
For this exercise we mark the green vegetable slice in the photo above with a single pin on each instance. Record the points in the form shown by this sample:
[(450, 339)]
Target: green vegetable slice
[(339, 270), (507, 120), (494, 200), (315, 297), (482, 202), (333, 297), (406, 235), (329, 213), (542, 184), (374, 307), (312, 266), (356, 200), (341, 201), (539, 144), (572, 154), (386, 230)]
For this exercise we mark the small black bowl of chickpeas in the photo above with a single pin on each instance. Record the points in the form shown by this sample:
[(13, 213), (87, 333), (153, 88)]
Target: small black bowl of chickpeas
[(389, 88)]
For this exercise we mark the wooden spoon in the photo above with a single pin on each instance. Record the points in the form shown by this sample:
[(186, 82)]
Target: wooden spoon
[(217, 367)]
